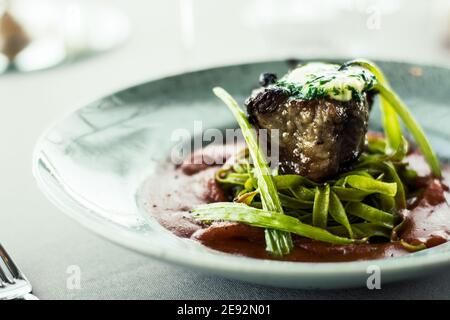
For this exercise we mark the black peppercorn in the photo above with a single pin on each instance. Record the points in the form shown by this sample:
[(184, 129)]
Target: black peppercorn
[(267, 78)]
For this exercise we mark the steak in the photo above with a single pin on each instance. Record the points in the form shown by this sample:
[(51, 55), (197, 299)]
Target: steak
[(318, 137)]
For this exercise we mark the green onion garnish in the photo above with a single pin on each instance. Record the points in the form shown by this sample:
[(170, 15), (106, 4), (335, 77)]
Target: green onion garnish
[(414, 128), (390, 121), (278, 243), (391, 104)]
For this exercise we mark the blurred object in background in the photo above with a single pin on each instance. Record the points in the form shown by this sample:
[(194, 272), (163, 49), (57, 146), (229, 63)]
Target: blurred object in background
[(38, 34), (13, 39), (443, 12), (405, 30)]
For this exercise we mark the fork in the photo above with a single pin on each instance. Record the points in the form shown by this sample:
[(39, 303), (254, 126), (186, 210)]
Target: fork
[(13, 284)]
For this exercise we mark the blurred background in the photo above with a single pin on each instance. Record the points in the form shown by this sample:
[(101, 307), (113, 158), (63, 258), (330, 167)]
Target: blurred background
[(187, 34), (58, 55)]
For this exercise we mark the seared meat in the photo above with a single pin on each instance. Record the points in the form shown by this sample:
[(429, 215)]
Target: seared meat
[(318, 137)]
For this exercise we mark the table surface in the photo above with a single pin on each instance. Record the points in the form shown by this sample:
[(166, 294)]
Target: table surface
[(45, 243)]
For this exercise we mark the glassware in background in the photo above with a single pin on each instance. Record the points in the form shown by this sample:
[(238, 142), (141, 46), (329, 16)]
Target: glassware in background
[(442, 11), (38, 34), (236, 31)]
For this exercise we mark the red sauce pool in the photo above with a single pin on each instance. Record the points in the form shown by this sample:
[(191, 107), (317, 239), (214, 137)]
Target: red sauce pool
[(180, 189)]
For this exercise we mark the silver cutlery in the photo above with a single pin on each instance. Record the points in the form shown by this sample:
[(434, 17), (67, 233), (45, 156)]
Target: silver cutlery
[(13, 283)]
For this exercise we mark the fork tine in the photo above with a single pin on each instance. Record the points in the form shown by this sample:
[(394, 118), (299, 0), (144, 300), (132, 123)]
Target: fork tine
[(2, 278), (5, 274), (13, 284), (8, 271), (9, 262)]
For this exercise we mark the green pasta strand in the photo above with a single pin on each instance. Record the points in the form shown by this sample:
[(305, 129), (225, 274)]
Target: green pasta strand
[(278, 243), (337, 211), (266, 219), (371, 214), (320, 209), (371, 185)]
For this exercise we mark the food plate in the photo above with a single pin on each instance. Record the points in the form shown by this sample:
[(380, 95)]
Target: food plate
[(94, 164)]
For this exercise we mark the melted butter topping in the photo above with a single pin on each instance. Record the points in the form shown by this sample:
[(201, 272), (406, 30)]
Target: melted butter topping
[(324, 80)]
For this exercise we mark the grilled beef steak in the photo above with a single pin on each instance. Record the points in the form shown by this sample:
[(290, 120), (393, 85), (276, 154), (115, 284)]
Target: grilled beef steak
[(317, 137)]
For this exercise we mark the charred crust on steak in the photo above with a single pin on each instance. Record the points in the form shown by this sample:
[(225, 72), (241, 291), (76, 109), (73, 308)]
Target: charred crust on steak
[(319, 137), (265, 100)]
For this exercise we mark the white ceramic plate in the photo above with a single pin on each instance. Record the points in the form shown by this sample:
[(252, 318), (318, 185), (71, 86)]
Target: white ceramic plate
[(93, 163)]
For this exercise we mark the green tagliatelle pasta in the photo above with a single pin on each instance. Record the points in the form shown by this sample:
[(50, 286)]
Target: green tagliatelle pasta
[(266, 219), (356, 205), (353, 207), (320, 208), (371, 185), (371, 214), (337, 211)]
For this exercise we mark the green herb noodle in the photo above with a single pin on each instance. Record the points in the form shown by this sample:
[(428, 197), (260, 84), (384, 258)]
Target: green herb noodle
[(352, 207)]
